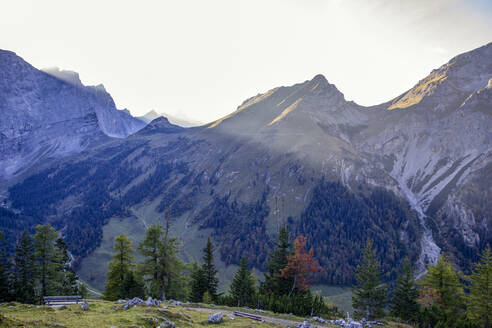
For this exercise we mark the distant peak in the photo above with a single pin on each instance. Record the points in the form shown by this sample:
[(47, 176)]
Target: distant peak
[(319, 78), (153, 113), (64, 75), (319, 85)]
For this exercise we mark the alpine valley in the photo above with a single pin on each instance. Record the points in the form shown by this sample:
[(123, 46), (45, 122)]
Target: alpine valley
[(413, 174)]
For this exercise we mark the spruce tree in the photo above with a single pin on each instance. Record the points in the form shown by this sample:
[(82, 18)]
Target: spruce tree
[(198, 283), (45, 258), (211, 280), (369, 295), (68, 281), (132, 286), (242, 288), (274, 282), (24, 274), (4, 271), (479, 300), (404, 302), (119, 268)]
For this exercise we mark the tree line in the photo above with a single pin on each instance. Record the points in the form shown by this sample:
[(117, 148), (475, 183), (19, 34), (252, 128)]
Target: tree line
[(286, 287), (441, 298), (40, 266)]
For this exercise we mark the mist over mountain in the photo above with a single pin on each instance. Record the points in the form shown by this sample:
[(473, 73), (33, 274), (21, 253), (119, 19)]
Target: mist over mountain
[(52, 114), (412, 174), (178, 120)]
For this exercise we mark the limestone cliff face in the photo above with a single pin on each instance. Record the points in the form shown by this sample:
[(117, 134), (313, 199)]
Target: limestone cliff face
[(51, 114)]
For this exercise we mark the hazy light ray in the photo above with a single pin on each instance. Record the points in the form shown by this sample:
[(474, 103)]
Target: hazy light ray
[(203, 59)]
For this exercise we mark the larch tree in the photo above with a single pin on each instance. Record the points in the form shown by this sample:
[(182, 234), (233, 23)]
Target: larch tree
[(479, 300), (45, 258), (300, 266), (242, 288), (444, 282), (152, 248), (369, 294), (120, 266)]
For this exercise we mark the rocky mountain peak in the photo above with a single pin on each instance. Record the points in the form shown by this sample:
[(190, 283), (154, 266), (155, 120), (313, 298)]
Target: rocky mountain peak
[(451, 83), (64, 75)]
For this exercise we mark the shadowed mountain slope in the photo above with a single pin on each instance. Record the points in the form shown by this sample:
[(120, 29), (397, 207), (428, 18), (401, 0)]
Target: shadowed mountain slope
[(411, 174)]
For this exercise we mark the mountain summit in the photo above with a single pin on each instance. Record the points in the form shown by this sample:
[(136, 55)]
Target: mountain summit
[(52, 114)]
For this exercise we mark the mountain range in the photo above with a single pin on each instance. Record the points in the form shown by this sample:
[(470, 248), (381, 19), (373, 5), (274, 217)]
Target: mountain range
[(412, 174)]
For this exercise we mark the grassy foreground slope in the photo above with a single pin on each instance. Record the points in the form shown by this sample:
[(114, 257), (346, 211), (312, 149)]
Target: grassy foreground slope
[(110, 314)]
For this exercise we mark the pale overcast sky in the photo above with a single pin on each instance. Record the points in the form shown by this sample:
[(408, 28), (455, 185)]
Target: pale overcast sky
[(201, 59)]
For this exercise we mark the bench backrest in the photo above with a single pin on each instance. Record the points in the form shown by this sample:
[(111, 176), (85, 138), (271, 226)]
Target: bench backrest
[(61, 299), (247, 315)]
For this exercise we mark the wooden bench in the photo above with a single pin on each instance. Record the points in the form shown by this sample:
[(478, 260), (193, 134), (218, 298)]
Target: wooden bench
[(248, 315), (61, 300)]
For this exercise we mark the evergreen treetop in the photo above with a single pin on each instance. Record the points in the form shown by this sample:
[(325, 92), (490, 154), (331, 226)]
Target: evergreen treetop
[(242, 288), (274, 282), (405, 295), (369, 295), (211, 280)]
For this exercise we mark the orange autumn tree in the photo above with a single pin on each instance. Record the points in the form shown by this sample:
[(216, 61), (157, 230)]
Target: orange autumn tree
[(301, 266)]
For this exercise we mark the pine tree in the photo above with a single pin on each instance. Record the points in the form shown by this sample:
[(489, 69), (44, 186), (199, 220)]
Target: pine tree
[(242, 288), (479, 300), (198, 283), (274, 283), (211, 280), (301, 264), (24, 271), (45, 258), (443, 281), (68, 282), (404, 302), (369, 295), (119, 268)]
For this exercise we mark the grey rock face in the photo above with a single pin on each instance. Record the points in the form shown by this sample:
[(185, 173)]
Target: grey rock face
[(49, 115)]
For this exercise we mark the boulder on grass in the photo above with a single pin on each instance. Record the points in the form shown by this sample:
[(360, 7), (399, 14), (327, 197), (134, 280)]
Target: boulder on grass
[(215, 318)]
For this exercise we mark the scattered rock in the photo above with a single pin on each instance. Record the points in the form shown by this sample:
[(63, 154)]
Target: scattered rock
[(152, 302), (304, 324), (121, 301), (84, 306), (215, 318), (138, 301), (259, 310), (166, 324), (319, 319)]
